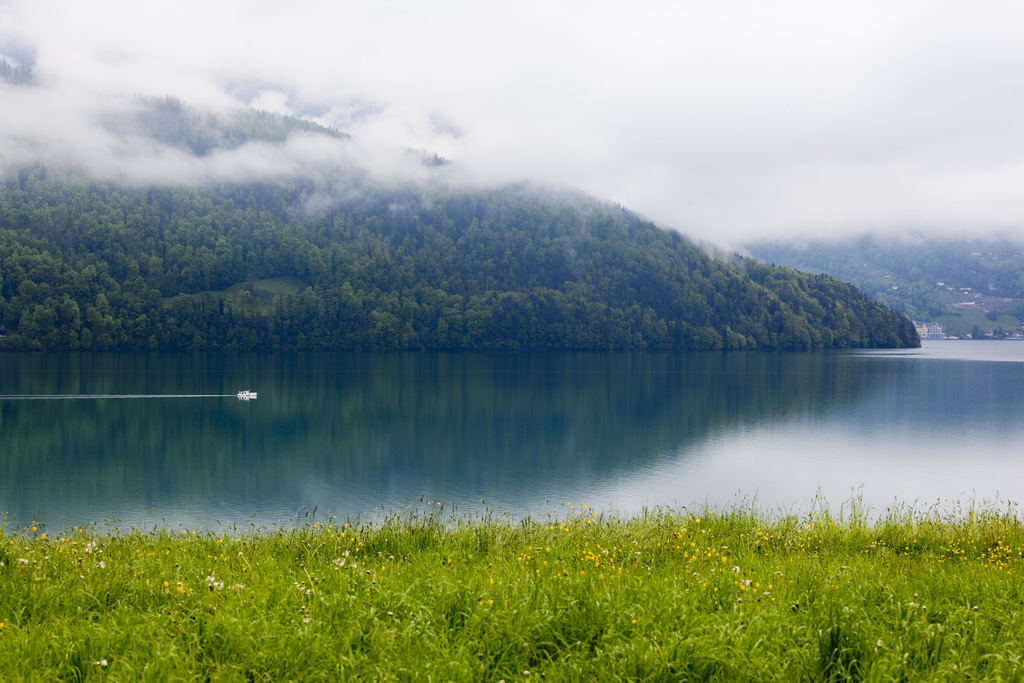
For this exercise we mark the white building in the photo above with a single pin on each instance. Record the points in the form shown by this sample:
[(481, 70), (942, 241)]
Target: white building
[(930, 330)]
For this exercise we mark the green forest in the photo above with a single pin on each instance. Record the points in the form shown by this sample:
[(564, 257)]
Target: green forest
[(90, 265), (344, 261)]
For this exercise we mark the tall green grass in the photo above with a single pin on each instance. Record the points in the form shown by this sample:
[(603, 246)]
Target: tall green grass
[(712, 595)]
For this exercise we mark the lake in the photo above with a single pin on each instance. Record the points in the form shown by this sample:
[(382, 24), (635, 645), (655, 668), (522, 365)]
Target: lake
[(161, 438)]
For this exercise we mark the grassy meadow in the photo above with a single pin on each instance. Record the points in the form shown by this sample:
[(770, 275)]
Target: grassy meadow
[(434, 596)]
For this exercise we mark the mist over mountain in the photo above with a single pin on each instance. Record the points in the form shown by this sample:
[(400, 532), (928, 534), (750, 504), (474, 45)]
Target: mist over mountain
[(245, 229), (171, 122), (15, 75), (139, 140), (725, 121), (333, 257)]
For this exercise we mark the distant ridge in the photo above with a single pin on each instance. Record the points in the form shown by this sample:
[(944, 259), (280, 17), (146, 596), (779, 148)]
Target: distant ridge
[(969, 286)]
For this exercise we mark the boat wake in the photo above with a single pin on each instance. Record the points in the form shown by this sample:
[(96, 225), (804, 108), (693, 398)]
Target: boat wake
[(69, 397)]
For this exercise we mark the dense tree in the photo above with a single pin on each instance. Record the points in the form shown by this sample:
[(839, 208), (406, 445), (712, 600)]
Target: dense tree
[(86, 264), (94, 265)]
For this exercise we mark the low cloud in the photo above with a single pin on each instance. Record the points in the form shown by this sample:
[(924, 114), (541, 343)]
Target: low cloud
[(728, 121), (101, 134)]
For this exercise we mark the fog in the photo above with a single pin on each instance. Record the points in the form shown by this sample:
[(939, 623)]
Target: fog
[(728, 121)]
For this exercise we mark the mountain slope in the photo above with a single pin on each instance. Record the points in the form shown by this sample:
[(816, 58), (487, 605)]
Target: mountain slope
[(963, 284), (90, 265), (334, 258)]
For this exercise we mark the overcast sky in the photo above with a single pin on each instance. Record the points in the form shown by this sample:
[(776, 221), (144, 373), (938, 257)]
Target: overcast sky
[(725, 120)]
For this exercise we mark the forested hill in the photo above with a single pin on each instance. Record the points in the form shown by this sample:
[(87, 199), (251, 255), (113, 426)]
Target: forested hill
[(84, 264), (333, 259)]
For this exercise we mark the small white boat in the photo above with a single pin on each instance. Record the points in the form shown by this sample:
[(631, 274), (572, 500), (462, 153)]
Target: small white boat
[(246, 394)]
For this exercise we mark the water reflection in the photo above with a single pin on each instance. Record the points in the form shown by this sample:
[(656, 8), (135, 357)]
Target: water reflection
[(358, 432)]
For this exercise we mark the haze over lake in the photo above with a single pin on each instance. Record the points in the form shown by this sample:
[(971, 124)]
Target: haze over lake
[(528, 433)]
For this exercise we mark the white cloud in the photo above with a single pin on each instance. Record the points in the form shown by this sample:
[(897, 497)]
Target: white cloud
[(725, 120)]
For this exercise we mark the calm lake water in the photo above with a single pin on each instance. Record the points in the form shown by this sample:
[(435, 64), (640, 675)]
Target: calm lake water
[(162, 439)]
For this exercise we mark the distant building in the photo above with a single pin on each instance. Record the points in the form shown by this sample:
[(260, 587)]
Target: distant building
[(930, 330)]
